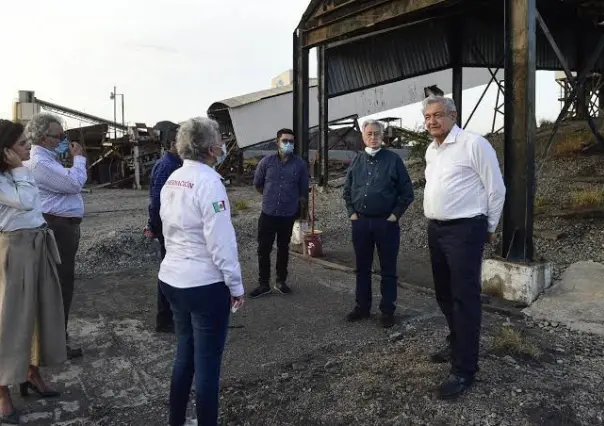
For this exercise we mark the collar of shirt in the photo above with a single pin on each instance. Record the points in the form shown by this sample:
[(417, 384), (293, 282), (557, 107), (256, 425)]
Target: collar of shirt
[(201, 166), (451, 137), (173, 159), (40, 150)]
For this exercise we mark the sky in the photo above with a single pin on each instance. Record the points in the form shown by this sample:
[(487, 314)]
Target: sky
[(170, 58)]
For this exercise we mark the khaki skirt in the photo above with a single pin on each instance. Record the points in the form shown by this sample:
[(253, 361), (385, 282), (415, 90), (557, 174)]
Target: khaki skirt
[(32, 324)]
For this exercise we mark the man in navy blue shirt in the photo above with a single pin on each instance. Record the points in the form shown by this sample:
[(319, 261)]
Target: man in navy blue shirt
[(377, 192), (282, 179), (160, 173)]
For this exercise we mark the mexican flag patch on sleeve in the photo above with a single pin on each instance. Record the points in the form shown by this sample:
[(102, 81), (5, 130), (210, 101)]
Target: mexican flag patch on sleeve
[(219, 206)]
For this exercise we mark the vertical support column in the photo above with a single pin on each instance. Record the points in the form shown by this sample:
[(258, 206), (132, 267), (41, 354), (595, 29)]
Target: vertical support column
[(455, 49), (601, 101), (301, 100), (323, 116), (582, 100), (519, 128)]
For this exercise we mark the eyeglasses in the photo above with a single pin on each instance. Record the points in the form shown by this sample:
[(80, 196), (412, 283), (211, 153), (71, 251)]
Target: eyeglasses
[(60, 137)]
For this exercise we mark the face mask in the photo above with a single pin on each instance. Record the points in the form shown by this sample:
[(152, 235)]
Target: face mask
[(372, 151), (222, 157), (62, 147), (286, 148)]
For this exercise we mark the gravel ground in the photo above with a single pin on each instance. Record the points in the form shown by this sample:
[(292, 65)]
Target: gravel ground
[(552, 376)]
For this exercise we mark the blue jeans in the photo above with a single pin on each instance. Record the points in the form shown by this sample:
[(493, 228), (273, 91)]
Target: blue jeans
[(201, 318), (367, 235)]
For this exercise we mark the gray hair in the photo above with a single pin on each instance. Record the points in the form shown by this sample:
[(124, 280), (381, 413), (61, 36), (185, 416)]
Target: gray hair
[(372, 122), (195, 137), (39, 125), (447, 103)]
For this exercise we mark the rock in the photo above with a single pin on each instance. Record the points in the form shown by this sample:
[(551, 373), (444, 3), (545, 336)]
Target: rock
[(395, 337), (509, 359)]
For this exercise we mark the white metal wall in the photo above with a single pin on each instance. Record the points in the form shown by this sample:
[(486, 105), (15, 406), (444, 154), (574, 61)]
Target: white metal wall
[(259, 121)]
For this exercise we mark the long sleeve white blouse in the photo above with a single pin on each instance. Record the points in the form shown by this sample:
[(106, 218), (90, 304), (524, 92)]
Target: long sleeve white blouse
[(20, 205)]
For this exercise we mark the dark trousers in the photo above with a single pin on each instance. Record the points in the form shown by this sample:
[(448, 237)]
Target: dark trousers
[(164, 313), (201, 317), (270, 227), (67, 234), (456, 249), (368, 234)]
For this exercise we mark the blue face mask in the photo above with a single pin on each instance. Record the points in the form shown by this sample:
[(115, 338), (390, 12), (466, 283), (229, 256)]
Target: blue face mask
[(286, 148), (62, 147)]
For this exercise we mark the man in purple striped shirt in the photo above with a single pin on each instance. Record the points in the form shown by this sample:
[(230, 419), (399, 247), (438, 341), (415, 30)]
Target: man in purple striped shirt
[(282, 179)]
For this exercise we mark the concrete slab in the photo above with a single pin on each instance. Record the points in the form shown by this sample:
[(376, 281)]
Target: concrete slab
[(516, 281), (577, 300)]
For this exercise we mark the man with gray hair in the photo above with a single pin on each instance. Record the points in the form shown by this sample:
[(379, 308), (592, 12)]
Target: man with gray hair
[(463, 200), (377, 192), (60, 193)]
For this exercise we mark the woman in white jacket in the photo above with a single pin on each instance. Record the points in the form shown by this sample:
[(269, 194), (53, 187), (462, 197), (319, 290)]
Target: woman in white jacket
[(200, 274), (32, 330)]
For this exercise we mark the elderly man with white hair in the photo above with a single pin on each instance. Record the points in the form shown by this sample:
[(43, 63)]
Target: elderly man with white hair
[(200, 274), (463, 200), (377, 192), (60, 193)]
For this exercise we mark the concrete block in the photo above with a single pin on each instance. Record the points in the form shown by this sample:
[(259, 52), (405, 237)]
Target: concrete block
[(518, 282)]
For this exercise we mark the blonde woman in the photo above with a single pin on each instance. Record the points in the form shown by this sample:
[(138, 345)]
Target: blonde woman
[(32, 329)]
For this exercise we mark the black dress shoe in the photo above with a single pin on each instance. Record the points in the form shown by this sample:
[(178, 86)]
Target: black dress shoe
[(25, 387), (357, 314), (74, 352), (443, 355), (454, 386), (387, 320)]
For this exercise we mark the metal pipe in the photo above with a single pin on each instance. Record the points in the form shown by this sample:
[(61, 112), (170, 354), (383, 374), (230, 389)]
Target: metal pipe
[(123, 114), (323, 116), (114, 112)]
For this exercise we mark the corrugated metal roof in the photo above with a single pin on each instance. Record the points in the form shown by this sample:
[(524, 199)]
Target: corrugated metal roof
[(250, 98), (422, 48)]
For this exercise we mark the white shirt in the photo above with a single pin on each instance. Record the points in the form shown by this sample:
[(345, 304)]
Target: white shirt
[(463, 179), (201, 247), (20, 206), (60, 187)]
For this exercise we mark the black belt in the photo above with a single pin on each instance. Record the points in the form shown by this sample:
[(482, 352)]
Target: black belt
[(70, 220), (458, 221), (374, 216)]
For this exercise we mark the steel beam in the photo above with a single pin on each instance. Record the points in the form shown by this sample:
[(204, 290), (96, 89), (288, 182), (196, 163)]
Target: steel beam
[(360, 18), (456, 52), (579, 81), (323, 115), (301, 100), (520, 129)]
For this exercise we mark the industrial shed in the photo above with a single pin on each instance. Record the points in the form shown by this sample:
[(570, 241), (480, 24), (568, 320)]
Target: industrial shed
[(368, 43)]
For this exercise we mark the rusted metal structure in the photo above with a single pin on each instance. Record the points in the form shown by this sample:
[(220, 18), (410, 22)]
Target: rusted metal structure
[(368, 43)]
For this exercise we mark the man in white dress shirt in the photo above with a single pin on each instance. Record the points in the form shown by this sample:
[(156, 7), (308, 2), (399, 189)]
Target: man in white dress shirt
[(463, 200), (60, 192)]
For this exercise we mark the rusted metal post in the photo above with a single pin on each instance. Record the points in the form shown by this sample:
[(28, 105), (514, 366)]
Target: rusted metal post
[(323, 116), (455, 47), (519, 129), (301, 100), (582, 102)]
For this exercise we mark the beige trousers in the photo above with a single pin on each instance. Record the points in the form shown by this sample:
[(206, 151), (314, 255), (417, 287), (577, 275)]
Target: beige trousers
[(32, 325)]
